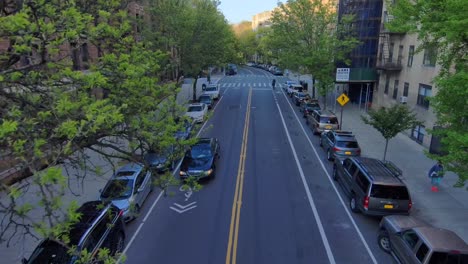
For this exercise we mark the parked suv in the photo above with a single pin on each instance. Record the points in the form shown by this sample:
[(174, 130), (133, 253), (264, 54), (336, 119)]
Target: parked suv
[(413, 241), (373, 186), (100, 226), (339, 144), (320, 121)]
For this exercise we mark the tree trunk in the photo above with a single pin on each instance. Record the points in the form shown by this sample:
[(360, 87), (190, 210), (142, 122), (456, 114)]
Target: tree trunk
[(194, 88), (385, 151)]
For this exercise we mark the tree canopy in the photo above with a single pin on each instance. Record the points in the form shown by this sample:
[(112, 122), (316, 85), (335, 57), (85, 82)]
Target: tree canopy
[(391, 121), (442, 25), (305, 35)]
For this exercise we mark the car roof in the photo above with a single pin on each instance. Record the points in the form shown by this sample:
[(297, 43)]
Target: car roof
[(212, 85), (343, 135), (296, 85), (385, 173), (441, 239), (90, 212), (205, 95), (195, 104), (325, 113)]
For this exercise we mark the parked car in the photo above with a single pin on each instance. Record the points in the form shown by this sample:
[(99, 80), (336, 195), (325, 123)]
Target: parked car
[(373, 186), (292, 88), (160, 161), (339, 144), (412, 241), (231, 69), (200, 160), (100, 226), (197, 111), (213, 90), (277, 71), (287, 84), (299, 97), (320, 121), (207, 100), (128, 189), (186, 129), (308, 106)]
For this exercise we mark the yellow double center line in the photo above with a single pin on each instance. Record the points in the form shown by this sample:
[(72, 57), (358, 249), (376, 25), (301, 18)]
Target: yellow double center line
[(231, 254)]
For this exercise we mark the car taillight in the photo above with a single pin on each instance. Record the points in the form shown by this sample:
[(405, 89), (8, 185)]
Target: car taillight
[(366, 202), (410, 204), (336, 149), (121, 213)]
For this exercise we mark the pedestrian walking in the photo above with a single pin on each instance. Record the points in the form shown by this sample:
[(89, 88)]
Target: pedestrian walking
[(273, 83), (436, 173)]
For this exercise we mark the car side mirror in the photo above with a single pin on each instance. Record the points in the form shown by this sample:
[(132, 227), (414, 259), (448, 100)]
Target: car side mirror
[(140, 189)]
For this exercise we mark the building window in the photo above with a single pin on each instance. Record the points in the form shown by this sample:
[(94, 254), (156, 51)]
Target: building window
[(425, 91), (381, 53), (418, 133), (400, 55), (410, 55), (406, 89), (395, 90), (390, 52), (430, 56), (387, 84)]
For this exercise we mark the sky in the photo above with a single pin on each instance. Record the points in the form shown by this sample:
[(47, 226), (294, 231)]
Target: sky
[(236, 11)]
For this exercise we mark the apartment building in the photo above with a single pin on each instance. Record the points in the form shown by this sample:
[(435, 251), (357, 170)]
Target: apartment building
[(406, 77), (261, 20)]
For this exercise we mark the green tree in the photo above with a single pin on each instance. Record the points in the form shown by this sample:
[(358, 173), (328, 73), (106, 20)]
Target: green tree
[(305, 37), (247, 38), (443, 24), (53, 117), (391, 121)]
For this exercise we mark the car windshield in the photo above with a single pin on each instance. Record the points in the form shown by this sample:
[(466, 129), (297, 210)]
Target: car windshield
[(300, 95), (194, 108), (205, 98), (328, 120), (347, 144), (389, 192), (211, 89), (50, 252), (118, 189), (448, 258), (200, 152)]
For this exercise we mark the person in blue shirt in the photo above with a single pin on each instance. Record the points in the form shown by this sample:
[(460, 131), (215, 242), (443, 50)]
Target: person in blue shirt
[(435, 174)]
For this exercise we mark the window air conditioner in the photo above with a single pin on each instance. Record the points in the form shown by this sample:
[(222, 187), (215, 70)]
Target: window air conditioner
[(403, 99)]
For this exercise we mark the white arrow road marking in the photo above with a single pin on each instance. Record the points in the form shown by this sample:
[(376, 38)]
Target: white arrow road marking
[(184, 208)]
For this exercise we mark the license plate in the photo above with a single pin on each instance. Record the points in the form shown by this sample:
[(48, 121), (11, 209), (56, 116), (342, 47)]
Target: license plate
[(388, 206), (347, 153), (327, 127)]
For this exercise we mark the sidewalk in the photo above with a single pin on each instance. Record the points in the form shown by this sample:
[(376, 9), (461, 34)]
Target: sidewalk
[(447, 208)]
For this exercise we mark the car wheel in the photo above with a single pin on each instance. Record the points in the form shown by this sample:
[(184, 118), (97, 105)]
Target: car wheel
[(119, 243), (213, 175), (353, 204), (136, 211), (329, 155), (335, 173), (384, 241)]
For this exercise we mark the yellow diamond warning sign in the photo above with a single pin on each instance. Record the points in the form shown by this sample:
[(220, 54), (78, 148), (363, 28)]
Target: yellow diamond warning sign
[(342, 99)]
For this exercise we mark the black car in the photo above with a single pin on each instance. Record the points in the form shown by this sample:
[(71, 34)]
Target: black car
[(200, 160), (185, 130), (160, 161), (307, 107), (206, 99), (101, 226)]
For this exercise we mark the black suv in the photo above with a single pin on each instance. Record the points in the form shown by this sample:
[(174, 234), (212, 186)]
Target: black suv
[(101, 226), (373, 186)]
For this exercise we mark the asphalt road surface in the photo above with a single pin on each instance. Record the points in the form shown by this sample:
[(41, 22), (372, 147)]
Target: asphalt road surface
[(272, 201)]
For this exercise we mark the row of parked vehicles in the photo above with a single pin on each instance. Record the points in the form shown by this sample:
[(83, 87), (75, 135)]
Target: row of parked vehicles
[(375, 188), (273, 69), (102, 222)]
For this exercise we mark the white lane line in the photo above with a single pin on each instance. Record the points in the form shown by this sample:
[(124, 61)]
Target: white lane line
[(331, 259), (333, 185), (254, 84), (161, 193), (238, 84)]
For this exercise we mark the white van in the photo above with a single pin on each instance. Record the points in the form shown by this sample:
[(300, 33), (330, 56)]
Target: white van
[(213, 90)]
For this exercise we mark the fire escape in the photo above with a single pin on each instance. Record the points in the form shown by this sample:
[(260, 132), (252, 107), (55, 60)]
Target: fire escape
[(387, 60)]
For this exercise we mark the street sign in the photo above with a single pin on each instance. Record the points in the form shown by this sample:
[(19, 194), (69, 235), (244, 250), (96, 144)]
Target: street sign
[(342, 99), (342, 74)]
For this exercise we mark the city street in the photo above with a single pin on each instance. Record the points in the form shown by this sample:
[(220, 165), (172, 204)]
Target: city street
[(272, 201)]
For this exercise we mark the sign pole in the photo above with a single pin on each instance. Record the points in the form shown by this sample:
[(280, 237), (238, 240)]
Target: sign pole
[(341, 118)]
